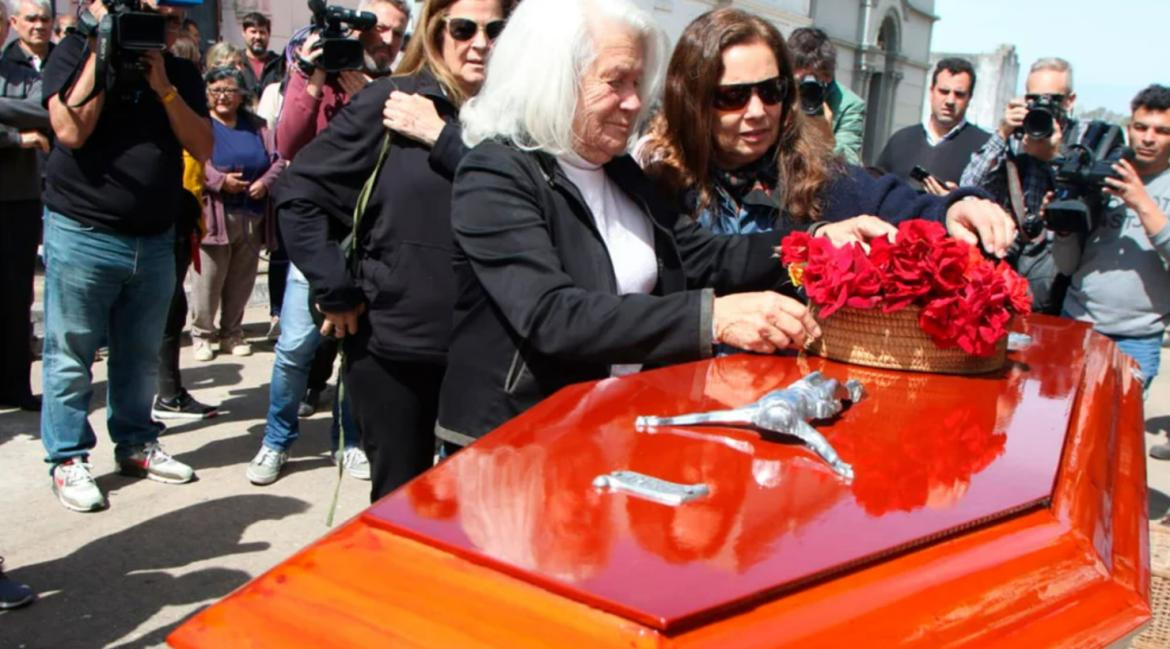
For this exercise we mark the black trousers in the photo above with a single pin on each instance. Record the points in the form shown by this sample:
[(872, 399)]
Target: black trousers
[(170, 381), (395, 404), (322, 367), (277, 276), (20, 232)]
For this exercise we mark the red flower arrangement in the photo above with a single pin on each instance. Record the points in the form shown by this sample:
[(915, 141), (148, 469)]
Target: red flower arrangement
[(966, 301)]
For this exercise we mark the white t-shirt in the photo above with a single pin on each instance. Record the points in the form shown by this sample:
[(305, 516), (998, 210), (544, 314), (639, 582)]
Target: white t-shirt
[(624, 227)]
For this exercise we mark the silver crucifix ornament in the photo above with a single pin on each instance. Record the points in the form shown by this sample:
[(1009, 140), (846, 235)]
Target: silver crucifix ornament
[(786, 412)]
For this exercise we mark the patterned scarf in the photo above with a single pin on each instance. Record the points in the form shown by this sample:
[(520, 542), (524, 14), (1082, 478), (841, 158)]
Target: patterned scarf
[(762, 174)]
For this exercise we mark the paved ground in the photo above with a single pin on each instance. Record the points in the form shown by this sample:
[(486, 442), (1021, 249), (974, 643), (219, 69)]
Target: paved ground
[(126, 576)]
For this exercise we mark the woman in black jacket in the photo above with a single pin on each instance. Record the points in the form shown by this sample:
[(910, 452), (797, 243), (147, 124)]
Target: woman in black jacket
[(395, 315), (570, 265)]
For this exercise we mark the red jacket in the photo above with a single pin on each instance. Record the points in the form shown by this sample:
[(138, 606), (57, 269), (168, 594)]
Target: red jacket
[(303, 116)]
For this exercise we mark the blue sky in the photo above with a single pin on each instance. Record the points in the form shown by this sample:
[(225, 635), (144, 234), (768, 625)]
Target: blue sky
[(1116, 47)]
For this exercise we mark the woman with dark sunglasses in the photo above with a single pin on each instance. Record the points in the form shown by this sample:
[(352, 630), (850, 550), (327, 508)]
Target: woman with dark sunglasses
[(732, 144), (394, 310), (571, 266)]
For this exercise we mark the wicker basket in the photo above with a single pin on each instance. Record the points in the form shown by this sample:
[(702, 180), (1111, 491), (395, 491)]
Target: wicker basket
[(1157, 635), (894, 341)]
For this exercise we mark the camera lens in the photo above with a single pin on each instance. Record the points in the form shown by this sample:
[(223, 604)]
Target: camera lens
[(1039, 123), (812, 95)]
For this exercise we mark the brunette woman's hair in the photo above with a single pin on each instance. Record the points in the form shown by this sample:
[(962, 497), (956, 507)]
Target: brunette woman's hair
[(425, 49), (680, 148)]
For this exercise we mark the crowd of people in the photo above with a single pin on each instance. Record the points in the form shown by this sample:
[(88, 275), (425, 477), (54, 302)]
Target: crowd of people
[(464, 222)]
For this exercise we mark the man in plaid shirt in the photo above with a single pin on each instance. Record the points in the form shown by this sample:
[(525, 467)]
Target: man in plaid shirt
[(1032, 254)]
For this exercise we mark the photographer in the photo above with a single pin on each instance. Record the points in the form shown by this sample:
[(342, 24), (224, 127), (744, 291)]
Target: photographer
[(1012, 151), (113, 186), (1121, 277), (841, 113)]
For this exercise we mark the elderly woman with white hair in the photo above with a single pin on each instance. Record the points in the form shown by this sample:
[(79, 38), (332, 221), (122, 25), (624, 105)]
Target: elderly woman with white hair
[(570, 266)]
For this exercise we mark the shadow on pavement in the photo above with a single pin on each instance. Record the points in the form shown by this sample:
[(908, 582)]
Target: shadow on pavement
[(111, 586), (1155, 425), (1159, 503), (19, 422)]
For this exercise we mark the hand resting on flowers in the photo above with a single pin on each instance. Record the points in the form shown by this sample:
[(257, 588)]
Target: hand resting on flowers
[(978, 221), (765, 322)]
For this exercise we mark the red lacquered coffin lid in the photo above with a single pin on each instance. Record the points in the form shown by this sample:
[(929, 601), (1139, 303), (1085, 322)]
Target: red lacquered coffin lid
[(933, 455)]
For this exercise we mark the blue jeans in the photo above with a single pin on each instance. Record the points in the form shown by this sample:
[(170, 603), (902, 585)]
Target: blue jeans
[(295, 348), (1147, 351), (102, 288)]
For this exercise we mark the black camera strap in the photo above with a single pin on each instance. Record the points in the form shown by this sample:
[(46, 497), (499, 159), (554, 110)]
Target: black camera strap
[(104, 32)]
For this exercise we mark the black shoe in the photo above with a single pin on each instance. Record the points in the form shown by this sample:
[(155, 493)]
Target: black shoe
[(182, 406), (309, 404), (29, 402), (13, 594), (1160, 451)]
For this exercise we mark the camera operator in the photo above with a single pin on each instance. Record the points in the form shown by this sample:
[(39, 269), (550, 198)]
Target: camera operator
[(304, 359), (23, 124), (113, 186), (841, 113), (314, 95), (1049, 84), (1121, 278)]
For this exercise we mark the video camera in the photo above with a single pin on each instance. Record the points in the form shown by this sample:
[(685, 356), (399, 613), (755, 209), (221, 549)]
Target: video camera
[(1044, 111), (812, 95), (1080, 199), (340, 51), (131, 33)]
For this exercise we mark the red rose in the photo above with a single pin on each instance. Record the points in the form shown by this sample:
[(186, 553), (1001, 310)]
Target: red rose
[(948, 265), (912, 264), (1019, 294), (838, 277), (940, 319), (794, 248)]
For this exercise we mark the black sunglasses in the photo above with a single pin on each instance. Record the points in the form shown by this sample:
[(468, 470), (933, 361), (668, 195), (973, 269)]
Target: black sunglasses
[(464, 29), (737, 95)]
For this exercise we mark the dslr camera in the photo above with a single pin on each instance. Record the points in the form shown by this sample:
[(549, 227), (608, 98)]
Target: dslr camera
[(1080, 200), (339, 50), (812, 95), (1043, 113)]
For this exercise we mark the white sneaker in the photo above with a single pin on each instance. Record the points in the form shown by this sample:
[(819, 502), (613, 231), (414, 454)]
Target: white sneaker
[(203, 350), (355, 462), (75, 487), (237, 347), (151, 461), (265, 467)]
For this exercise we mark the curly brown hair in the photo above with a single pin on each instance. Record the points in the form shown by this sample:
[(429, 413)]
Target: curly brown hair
[(679, 148)]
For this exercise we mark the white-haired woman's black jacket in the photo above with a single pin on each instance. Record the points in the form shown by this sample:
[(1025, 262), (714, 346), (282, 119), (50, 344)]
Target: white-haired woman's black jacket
[(538, 307)]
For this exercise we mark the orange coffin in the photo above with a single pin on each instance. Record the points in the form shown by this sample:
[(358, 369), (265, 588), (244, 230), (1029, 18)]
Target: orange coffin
[(1003, 510)]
